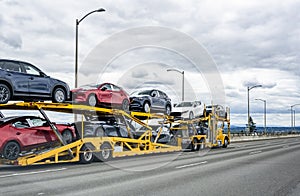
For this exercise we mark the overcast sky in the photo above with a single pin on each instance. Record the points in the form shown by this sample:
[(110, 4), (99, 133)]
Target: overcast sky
[(249, 42)]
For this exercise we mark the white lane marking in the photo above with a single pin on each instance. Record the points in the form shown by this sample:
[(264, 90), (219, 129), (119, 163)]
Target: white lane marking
[(255, 152), (190, 165), (31, 173)]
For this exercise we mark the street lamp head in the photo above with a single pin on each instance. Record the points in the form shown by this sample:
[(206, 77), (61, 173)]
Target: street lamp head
[(173, 69), (100, 10), (261, 100), (255, 86)]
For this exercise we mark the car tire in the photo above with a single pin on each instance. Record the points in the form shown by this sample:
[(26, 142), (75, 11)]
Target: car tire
[(191, 115), (68, 136), (11, 150), (146, 107), (59, 95), (99, 132), (92, 100), (125, 105), (105, 153), (5, 94), (168, 110), (86, 156)]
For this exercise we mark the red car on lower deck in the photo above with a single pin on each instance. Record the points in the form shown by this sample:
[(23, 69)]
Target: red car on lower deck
[(20, 134)]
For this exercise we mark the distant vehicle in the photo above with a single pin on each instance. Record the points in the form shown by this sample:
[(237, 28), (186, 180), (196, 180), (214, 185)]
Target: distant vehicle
[(219, 110), (188, 109), (23, 81), (105, 94), (148, 100), (24, 133)]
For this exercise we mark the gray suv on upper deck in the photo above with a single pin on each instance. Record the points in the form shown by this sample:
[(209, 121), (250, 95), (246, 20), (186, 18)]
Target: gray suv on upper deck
[(23, 81)]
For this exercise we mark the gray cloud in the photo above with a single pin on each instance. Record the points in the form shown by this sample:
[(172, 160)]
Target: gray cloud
[(251, 43)]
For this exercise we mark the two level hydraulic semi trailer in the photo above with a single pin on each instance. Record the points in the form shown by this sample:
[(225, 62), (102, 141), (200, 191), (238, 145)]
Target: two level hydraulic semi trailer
[(86, 148)]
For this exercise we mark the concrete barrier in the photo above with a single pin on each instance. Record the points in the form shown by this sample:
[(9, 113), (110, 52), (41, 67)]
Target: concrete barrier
[(241, 137)]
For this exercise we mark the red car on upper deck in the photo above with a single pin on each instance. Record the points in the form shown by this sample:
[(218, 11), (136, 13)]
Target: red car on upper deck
[(105, 94)]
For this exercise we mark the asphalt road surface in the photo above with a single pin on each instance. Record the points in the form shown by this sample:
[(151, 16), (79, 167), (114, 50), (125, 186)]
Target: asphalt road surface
[(270, 167)]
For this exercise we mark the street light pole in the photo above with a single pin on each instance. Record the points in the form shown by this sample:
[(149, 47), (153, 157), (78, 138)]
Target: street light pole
[(294, 120), (265, 114), (292, 124), (248, 89), (182, 72), (76, 42)]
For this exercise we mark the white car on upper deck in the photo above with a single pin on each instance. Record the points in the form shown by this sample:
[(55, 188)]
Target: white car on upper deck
[(187, 109)]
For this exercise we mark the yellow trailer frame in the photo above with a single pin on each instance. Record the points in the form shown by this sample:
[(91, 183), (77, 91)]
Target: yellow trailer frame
[(115, 146), (72, 152)]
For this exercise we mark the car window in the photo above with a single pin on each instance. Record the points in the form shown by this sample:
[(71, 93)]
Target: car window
[(154, 94), (161, 94), (106, 86), (116, 88), (21, 124), (145, 92), (2, 65), (37, 122), (31, 70), (12, 66), (184, 104)]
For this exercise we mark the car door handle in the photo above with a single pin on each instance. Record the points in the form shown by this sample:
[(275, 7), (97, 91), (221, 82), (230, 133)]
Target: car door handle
[(18, 133), (31, 78), (8, 74)]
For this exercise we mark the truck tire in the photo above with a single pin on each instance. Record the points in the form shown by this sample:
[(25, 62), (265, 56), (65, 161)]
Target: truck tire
[(195, 146), (202, 144), (105, 154), (86, 156), (225, 143)]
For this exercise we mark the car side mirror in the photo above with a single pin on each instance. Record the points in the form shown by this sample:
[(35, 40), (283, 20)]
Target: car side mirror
[(103, 88), (174, 105)]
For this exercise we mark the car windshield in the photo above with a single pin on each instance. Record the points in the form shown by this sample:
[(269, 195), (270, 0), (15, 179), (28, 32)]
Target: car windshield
[(184, 104), (145, 92)]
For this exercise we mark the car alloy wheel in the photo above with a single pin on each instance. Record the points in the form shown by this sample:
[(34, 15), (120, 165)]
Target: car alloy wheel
[(4, 94), (125, 105), (11, 150), (168, 110), (191, 115), (59, 95), (146, 107), (67, 135), (92, 100)]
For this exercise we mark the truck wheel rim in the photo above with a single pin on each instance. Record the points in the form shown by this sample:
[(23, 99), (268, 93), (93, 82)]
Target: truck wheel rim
[(105, 153)]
